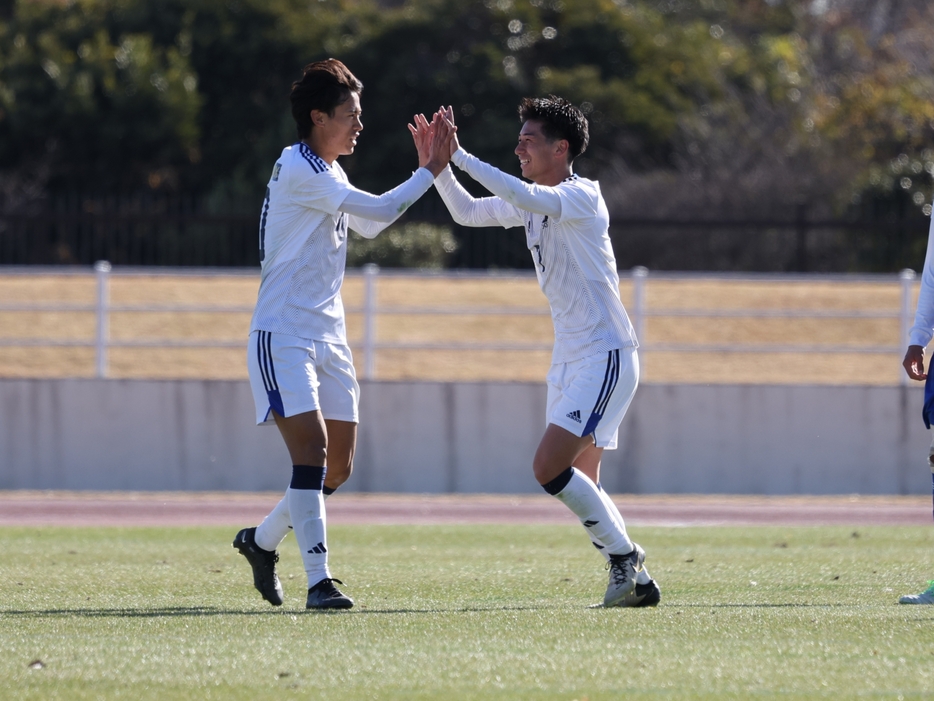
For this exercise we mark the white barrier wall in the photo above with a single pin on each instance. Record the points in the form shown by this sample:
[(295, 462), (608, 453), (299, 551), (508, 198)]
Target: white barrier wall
[(465, 437)]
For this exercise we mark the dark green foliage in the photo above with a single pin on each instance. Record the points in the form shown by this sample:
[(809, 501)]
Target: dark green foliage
[(708, 108), (410, 245)]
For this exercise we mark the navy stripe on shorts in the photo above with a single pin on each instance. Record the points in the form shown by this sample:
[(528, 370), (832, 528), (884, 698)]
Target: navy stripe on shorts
[(264, 354), (610, 378)]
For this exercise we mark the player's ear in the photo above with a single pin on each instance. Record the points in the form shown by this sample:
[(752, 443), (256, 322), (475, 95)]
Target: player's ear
[(318, 118), (561, 147)]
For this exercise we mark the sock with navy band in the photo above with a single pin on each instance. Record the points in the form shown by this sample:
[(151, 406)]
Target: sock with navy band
[(582, 497), (306, 509), (277, 524)]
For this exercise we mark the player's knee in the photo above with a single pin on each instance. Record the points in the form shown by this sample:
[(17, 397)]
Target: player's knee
[(314, 454), (542, 470), (338, 474)]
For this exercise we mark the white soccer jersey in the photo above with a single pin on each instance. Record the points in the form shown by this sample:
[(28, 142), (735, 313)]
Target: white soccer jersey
[(566, 230), (308, 208)]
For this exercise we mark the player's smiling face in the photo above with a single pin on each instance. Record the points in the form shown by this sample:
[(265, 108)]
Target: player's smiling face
[(541, 160), (336, 135)]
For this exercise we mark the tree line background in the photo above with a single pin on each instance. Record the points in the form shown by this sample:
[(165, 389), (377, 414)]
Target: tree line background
[(726, 134)]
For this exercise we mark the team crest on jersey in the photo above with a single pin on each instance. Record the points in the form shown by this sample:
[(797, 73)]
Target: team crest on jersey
[(275, 171)]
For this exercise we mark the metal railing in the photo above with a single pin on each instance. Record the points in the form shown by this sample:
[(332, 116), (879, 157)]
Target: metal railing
[(102, 309), (370, 309)]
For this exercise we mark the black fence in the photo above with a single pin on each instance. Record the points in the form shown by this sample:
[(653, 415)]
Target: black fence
[(129, 231), (182, 232)]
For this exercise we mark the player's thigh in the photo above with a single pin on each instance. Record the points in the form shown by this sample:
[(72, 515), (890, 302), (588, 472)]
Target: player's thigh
[(305, 436), (557, 451)]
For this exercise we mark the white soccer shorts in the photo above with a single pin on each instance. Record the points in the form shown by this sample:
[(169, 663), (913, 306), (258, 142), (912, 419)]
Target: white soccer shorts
[(591, 396), (295, 375)]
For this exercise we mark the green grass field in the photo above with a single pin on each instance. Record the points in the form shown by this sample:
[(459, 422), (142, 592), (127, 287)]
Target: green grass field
[(467, 612)]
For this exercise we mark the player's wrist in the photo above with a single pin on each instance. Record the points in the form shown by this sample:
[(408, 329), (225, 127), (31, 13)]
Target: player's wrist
[(435, 167)]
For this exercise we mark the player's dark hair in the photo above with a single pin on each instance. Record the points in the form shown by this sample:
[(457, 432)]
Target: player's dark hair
[(559, 119), (323, 86)]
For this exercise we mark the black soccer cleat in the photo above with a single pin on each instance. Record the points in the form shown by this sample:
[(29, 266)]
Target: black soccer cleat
[(324, 595), (648, 594), (263, 563)]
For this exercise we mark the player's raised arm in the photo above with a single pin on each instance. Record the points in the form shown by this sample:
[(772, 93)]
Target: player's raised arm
[(539, 198), (463, 207), (370, 214), (433, 143)]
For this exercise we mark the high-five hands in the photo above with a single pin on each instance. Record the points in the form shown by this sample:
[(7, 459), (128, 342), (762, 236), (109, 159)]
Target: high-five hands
[(447, 114), (433, 141)]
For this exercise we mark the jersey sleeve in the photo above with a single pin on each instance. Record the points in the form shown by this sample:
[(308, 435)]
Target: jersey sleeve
[(923, 329), (467, 210), (389, 206), (367, 228), (529, 197), (328, 192)]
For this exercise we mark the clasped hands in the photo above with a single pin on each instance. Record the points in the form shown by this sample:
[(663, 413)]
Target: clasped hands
[(435, 141)]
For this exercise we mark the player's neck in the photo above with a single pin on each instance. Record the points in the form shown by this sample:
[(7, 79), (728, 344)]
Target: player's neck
[(320, 149)]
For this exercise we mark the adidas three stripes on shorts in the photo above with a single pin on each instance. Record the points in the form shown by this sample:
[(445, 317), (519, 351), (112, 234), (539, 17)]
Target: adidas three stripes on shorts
[(590, 396)]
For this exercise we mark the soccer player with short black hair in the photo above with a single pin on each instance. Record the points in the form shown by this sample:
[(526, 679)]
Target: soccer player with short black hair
[(595, 365), (300, 366)]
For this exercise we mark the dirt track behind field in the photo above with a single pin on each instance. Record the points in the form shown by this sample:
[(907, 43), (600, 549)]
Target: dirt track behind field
[(34, 508)]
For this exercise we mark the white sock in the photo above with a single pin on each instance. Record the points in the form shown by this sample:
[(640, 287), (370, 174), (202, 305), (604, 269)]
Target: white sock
[(306, 508), (582, 497), (642, 577), (275, 526)]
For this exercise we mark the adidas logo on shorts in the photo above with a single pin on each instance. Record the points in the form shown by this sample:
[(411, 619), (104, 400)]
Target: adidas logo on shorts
[(575, 416)]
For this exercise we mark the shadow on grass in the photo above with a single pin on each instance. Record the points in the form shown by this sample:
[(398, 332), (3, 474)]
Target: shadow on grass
[(197, 611), (200, 611)]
